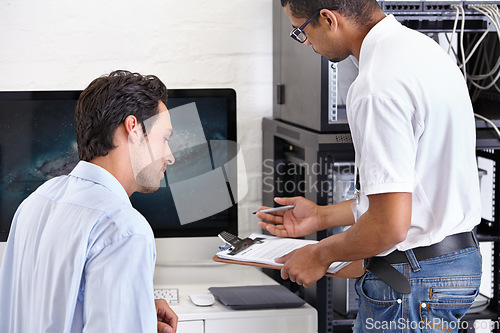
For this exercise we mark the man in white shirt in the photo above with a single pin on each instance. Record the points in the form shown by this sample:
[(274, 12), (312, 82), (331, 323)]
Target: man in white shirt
[(79, 257), (413, 131)]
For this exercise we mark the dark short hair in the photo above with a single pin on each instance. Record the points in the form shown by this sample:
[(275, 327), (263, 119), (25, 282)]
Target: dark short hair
[(357, 10), (105, 104)]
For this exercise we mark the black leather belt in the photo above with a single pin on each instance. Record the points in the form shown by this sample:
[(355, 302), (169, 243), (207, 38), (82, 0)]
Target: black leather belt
[(381, 266)]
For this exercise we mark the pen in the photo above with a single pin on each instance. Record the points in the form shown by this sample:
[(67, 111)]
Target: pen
[(270, 210)]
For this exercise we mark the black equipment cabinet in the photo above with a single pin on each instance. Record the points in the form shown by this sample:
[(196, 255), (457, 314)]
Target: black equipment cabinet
[(300, 162), (488, 148)]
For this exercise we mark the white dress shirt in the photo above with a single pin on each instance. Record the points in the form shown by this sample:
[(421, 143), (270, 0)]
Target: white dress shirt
[(413, 130), (79, 258)]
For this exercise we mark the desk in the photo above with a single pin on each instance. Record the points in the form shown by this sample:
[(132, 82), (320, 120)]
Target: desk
[(197, 278)]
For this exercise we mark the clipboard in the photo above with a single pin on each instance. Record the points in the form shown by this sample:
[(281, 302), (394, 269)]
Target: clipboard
[(235, 243), (254, 264), (242, 251)]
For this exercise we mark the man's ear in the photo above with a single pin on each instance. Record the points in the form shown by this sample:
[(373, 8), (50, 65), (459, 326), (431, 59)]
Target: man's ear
[(132, 128), (330, 18)]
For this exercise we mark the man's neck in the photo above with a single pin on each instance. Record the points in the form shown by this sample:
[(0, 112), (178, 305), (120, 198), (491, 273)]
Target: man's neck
[(111, 164), (360, 33)]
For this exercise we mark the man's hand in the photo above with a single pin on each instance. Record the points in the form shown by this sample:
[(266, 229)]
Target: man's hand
[(167, 319), (300, 221)]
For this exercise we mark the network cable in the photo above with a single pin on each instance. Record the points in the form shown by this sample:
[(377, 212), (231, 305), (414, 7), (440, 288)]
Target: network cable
[(491, 12), (495, 128)]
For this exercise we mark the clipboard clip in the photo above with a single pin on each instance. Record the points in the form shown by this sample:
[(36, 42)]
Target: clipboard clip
[(235, 243)]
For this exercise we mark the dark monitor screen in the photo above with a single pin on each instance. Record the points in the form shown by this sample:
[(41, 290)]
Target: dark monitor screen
[(38, 142)]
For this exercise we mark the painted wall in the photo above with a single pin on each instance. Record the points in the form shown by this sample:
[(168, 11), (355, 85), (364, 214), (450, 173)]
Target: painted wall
[(63, 45)]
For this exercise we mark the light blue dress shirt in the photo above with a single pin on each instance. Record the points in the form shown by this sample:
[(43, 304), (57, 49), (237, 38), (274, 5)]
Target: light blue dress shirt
[(79, 258)]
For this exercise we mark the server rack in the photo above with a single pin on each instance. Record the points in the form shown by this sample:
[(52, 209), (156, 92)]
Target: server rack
[(488, 147), (302, 162)]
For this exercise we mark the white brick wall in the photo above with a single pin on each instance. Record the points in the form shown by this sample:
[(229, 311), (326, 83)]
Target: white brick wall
[(57, 44)]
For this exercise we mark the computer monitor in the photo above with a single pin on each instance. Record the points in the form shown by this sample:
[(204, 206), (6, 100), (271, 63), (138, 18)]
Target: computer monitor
[(38, 142)]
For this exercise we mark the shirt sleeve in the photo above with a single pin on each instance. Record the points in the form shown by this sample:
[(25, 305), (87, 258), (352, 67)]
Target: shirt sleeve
[(384, 139), (118, 295)]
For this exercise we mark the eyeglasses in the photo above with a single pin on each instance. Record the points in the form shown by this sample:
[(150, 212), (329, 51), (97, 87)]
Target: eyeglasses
[(298, 33)]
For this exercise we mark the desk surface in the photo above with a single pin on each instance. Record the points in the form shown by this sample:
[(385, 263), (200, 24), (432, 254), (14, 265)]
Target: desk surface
[(198, 277)]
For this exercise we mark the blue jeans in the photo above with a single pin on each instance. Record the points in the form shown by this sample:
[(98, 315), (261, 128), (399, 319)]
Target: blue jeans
[(443, 289)]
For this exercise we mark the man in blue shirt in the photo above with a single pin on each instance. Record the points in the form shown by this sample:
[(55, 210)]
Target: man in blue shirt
[(79, 257)]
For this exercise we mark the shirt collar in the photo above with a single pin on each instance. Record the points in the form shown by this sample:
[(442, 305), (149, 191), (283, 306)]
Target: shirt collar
[(99, 175), (382, 28)]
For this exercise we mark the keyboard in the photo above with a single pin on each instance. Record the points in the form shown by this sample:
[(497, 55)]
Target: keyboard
[(171, 295)]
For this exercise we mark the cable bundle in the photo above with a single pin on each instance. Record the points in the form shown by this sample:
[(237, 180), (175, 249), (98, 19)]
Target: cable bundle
[(492, 13), (484, 58)]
